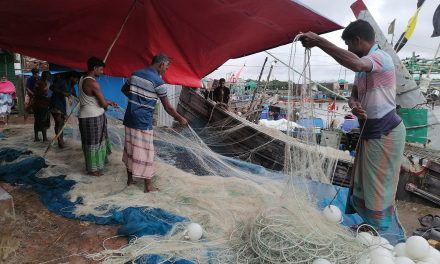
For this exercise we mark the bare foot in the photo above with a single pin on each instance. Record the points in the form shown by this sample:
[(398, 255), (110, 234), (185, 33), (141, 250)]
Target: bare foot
[(95, 173), (148, 186), (36, 139)]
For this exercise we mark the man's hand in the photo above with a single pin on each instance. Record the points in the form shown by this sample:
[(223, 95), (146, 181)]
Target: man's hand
[(182, 121), (357, 110), (115, 105), (310, 40)]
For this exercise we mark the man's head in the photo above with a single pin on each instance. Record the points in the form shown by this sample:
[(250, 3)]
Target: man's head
[(160, 62), (35, 72), (359, 37), (221, 82), (71, 77), (95, 65), (46, 75)]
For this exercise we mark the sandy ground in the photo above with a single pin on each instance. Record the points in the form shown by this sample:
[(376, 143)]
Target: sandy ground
[(43, 237)]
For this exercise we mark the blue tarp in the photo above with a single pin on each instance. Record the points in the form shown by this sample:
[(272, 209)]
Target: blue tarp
[(311, 122), (133, 221), (139, 221)]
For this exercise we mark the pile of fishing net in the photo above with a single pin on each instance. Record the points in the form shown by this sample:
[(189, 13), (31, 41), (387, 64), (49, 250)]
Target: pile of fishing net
[(248, 214)]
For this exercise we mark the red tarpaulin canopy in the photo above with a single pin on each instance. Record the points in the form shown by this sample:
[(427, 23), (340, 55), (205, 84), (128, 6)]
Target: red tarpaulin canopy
[(198, 35)]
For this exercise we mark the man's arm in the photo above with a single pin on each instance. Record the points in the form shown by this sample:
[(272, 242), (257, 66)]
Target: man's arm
[(28, 88), (172, 112), (355, 104), (96, 91), (342, 56), (55, 88)]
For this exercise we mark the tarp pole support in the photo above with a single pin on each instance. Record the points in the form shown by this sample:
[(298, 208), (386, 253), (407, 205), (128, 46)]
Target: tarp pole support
[(120, 30)]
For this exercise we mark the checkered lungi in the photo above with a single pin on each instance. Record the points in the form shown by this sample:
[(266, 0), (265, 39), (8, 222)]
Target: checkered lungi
[(95, 143), (138, 154)]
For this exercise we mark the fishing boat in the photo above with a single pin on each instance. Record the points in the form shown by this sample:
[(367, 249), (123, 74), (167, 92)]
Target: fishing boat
[(248, 141)]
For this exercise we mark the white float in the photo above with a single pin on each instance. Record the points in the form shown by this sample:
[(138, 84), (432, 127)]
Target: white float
[(400, 250), (382, 260), (194, 231), (417, 248), (403, 260), (332, 214)]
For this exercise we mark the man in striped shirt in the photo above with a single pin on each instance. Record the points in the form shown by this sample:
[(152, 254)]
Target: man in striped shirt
[(143, 89), (373, 100)]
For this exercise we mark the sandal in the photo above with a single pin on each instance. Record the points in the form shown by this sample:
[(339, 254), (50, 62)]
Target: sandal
[(426, 221), (430, 221), (428, 233)]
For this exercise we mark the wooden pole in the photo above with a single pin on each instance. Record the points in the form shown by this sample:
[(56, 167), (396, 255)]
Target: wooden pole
[(254, 117), (256, 88), (105, 59), (61, 130)]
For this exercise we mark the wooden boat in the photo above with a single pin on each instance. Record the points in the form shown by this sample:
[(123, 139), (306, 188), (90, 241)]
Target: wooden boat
[(247, 141)]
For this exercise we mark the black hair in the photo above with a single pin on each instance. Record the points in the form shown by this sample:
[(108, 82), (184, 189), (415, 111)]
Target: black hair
[(45, 75), (359, 28), (160, 58), (35, 70), (70, 74), (222, 79), (93, 62)]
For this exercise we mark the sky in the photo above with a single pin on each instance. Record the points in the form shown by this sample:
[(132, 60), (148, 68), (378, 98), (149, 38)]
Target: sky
[(325, 68)]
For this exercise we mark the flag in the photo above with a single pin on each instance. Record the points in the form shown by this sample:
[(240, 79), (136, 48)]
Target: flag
[(436, 23), (409, 28), (391, 27), (331, 107)]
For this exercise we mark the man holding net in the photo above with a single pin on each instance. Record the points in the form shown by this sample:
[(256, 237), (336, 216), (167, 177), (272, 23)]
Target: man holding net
[(143, 90), (373, 100)]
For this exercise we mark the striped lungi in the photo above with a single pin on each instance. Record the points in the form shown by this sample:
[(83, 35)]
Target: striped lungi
[(138, 154), (95, 143), (376, 176)]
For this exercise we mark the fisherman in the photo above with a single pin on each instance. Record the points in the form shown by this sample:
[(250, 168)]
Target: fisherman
[(92, 120), (7, 97), (62, 89), (210, 94), (221, 93), (40, 105), (373, 101), (30, 88), (143, 90)]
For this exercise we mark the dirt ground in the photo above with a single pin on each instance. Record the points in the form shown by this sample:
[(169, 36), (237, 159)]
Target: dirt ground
[(44, 237), (40, 236)]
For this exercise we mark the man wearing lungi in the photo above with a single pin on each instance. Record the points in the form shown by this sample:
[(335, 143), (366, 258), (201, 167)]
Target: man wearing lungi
[(92, 120), (373, 99), (143, 90)]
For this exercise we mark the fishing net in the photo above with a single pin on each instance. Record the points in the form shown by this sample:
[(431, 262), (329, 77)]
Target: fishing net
[(249, 214)]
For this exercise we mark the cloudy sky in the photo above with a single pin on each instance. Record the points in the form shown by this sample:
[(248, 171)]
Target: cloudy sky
[(323, 67)]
